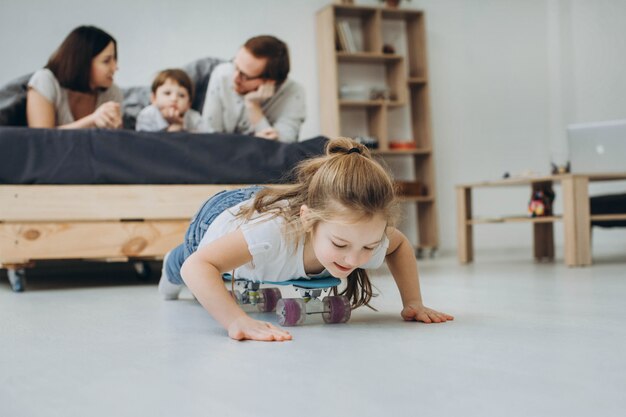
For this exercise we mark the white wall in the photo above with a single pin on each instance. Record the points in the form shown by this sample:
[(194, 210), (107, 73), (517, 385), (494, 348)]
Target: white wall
[(490, 66), (155, 34)]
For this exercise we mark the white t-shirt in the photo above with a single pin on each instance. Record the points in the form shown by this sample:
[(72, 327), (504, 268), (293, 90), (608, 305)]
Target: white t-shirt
[(46, 84), (274, 258)]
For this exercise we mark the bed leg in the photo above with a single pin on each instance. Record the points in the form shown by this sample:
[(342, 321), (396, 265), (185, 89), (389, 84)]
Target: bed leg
[(17, 278), (17, 274)]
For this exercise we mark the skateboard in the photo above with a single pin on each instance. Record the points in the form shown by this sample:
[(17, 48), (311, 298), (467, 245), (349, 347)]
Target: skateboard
[(293, 311)]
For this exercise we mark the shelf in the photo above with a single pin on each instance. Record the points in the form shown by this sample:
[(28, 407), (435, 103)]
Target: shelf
[(514, 219), (361, 103), (365, 57), (388, 13), (354, 10), (404, 74), (607, 217), (416, 199), (417, 151), (416, 81), (351, 10), (370, 103)]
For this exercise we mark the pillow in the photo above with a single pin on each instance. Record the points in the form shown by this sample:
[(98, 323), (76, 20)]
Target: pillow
[(13, 102), (135, 99), (200, 72)]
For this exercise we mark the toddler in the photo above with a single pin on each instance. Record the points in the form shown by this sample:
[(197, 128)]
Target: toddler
[(172, 93)]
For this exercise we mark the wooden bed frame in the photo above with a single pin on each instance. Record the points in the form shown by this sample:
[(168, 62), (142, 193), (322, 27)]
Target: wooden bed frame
[(95, 222)]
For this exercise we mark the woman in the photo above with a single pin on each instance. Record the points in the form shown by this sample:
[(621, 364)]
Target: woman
[(75, 90)]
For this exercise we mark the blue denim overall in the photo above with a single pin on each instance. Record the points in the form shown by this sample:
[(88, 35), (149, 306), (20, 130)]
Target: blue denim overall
[(212, 208)]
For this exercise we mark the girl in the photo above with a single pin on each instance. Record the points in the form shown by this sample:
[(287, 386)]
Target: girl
[(335, 220), (75, 90)]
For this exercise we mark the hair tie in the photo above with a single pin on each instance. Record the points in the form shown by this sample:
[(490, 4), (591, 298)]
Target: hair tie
[(353, 150)]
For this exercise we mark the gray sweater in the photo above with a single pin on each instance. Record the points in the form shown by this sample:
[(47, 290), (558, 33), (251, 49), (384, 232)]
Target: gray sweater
[(224, 109)]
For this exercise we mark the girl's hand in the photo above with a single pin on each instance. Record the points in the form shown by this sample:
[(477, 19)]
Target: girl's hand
[(247, 328), (108, 116), (419, 312)]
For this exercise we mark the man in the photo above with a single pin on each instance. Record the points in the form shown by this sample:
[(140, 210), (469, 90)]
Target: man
[(252, 95)]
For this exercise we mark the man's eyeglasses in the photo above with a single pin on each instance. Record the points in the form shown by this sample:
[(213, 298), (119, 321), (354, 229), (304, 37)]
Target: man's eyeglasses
[(243, 76)]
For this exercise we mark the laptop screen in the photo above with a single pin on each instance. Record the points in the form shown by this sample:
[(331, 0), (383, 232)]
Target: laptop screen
[(597, 147)]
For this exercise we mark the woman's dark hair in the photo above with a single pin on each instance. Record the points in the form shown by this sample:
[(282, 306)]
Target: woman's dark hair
[(71, 62), (276, 53)]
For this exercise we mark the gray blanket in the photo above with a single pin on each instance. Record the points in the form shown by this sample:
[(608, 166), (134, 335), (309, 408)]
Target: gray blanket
[(102, 156)]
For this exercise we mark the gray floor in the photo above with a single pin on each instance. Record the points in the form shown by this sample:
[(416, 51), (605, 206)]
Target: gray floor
[(528, 340)]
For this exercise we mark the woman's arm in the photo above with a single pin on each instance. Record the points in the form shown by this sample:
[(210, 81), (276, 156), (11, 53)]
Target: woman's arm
[(202, 272), (401, 261), (41, 113)]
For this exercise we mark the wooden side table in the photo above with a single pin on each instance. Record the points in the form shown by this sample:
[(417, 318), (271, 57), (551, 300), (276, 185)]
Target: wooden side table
[(576, 216)]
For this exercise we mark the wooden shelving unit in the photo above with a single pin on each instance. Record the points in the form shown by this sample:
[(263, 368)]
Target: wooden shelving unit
[(406, 78)]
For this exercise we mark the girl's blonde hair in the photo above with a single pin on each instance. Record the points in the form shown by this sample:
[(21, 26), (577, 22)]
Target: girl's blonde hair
[(345, 182)]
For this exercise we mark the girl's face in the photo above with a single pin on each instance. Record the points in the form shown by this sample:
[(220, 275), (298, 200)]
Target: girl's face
[(103, 67), (342, 245), (171, 95)]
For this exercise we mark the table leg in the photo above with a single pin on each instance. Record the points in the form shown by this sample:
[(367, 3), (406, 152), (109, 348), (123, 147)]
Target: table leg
[(544, 241), (576, 221), (543, 233), (465, 247)]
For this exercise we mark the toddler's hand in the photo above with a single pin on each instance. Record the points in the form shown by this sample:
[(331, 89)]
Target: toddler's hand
[(268, 133), (265, 91), (248, 328), (172, 115), (108, 116), (419, 312), (175, 127)]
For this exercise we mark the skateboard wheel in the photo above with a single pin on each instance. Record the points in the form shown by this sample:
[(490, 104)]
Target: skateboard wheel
[(336, 309), (290, 311), (270, 297)]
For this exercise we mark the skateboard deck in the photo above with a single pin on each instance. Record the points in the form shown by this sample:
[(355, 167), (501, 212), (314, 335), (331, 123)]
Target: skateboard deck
[(308, 283)]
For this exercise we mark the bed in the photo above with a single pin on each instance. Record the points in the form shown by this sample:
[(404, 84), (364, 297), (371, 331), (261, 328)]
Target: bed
[(120, 195)]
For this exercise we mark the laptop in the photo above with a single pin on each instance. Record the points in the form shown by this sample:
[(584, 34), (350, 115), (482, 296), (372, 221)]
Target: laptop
[(597, 147)]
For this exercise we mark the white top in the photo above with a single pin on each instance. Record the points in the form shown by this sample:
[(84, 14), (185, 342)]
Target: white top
[(46, 84), (224, 109), (151, 119), (274, 258)]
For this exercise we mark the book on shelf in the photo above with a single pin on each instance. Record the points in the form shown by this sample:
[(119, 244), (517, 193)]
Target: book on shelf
[(346, 31), (340, 39)]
